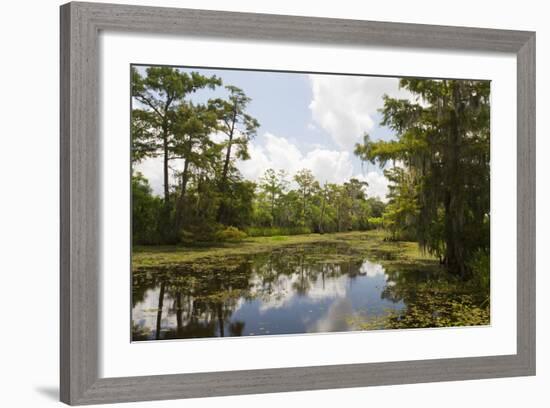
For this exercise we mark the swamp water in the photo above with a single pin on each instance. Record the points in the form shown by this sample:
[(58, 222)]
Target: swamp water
[(301, 289)]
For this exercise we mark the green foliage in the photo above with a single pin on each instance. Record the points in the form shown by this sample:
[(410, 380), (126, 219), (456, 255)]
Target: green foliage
[(146, 209), (307, 187), (207, 193), (195, 234), (440, 190), (276, 231), (432, 312), (235, 123), (375, 222), (401, 214), (272, 188), (164, 124), (439, 300), (438, 184), (438, 171), (230, 234), (239, 128), (310, 207), (237, 200), (377, 207), (157, 97), (480, 267)]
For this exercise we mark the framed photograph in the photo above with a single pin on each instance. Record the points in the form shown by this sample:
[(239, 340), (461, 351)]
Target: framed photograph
[(324, 189)]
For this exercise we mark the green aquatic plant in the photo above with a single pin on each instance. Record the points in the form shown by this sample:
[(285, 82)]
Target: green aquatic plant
[(431, 306)]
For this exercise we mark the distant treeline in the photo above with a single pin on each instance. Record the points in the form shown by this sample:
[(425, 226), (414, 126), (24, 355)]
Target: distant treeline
[(266, 208)]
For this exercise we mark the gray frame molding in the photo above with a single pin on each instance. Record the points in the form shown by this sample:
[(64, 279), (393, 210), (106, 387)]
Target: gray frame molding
[(80, 191)]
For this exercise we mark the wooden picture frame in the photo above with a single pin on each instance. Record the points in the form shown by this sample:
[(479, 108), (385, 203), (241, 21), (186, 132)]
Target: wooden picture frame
[(80, 192)]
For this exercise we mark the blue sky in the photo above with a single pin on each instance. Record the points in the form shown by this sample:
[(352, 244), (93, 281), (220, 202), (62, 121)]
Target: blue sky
[(306, 121)]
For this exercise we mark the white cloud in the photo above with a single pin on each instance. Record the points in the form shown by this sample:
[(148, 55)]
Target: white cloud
[(280, 154), (152, 169), (372, 269), (377, 184), (335, 318), (282, 294), (345, 106), (329, 165), (218, 137)]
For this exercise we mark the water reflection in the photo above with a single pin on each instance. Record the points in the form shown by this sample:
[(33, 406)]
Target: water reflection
[(292, 290)]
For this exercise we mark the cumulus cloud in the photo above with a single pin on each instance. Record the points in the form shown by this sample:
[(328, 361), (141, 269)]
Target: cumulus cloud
[(345, 106), (372, 269), (282, 295), (335, 319), (331, 166), (152, 169), (280, 154)]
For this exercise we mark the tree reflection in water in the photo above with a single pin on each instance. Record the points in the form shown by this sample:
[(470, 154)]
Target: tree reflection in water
[(290, 290)]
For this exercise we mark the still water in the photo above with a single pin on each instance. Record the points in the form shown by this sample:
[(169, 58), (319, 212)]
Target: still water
[(286, 291)]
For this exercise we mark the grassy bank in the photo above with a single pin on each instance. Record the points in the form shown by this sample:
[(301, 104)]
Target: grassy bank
[(362, 243)]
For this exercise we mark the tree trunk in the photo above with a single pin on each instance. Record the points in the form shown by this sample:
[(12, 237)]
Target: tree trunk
[(181, 198), (179, 311), (321, 230), (454, 254), (227, 160), (223, 181), (304, 207), (338, 222), (272, 210), (221, 323), (454, 201), (165, 164), (199, 209), (159, 311), (164, 224)]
